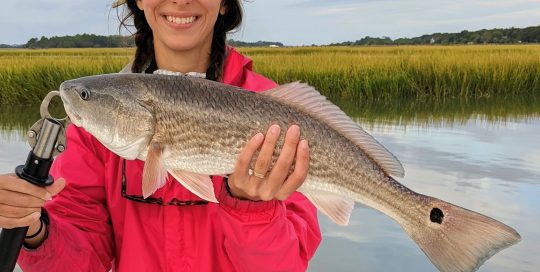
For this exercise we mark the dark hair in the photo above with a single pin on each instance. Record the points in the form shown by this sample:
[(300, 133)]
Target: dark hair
[(144, 39)]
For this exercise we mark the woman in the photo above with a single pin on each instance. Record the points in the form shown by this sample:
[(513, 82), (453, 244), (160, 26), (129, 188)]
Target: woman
[(101, 221)]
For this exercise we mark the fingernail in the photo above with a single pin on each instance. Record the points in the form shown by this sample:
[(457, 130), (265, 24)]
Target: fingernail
[(259, 136), (304, 144), (48, 196), (295, 130), (275, 129)]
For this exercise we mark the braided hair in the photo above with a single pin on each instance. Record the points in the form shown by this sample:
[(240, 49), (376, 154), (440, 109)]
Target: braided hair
[(144, 39)]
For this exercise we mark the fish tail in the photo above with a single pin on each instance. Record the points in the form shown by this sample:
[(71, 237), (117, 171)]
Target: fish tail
[(457, 239)]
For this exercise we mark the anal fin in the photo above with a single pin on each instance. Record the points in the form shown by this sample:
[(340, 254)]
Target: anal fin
[(336, 207), (199, 184)]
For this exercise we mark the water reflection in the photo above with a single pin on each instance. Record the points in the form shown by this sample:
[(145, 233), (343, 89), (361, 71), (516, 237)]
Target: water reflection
[(447, 112), (485, 157), (489, 167)]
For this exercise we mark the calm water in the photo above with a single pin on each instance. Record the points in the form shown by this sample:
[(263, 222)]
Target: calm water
[(487, 163)]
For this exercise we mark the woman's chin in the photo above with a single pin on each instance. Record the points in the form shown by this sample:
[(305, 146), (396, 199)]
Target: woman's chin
[(183, 45)]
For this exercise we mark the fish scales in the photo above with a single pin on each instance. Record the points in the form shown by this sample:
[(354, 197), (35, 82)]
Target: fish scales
[(200, 120), (202, 129)]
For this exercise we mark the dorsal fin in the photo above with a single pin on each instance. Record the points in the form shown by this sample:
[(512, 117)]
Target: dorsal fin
[(313, 103)]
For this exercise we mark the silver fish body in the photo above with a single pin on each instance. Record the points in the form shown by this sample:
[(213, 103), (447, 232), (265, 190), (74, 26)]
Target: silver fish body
[(201, 126)]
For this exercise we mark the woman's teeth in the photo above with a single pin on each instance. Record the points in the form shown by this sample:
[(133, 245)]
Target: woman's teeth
[(181, 20)]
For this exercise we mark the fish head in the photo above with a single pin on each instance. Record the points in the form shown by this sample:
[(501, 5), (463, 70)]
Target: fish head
[(109, 108)]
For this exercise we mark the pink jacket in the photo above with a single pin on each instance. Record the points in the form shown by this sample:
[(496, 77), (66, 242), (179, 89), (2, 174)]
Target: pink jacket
[(94, 228)]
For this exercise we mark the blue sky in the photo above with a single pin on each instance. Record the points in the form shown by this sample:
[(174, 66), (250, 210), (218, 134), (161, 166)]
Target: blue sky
[(293, 22)]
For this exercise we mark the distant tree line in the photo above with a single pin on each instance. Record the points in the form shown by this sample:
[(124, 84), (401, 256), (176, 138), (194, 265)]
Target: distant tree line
[(254, 44), (81, 41), (10, 45), (485, 36), (91, 40)]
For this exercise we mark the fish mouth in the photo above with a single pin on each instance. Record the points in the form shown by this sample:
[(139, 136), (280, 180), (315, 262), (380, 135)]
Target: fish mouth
[(73, 116)]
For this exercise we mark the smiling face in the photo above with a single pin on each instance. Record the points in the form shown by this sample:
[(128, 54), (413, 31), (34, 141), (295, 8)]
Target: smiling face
[(181, 25)]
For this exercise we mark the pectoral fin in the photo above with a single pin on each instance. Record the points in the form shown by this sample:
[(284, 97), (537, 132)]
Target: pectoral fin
[(154, 173), (336, 207), (200, 185)]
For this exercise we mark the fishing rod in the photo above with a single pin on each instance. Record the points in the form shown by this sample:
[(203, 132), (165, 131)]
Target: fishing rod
[(47, 138)]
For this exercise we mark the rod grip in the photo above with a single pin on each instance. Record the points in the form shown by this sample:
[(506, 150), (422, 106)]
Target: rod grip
[(11, 241)]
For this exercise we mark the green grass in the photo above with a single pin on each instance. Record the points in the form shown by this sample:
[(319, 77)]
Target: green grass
[(367, 74), (388, 73), (26, 76)]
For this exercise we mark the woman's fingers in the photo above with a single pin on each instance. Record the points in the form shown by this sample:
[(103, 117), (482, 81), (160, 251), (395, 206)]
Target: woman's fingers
[(9, 223), (244, 160), (285, 161), (12, 183), (238, 180), (56, 187), (297, 177), (267, 150), (16, 212), (20, 199), (277, 184)]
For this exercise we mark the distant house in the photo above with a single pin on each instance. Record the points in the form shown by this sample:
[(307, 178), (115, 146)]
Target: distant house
[(273, 46)]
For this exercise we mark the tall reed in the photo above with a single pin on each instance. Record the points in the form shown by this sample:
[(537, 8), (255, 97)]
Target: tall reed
[(353, 73)]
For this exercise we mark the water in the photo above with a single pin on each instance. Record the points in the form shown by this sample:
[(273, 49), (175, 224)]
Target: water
[(490, 167), (487, 163)]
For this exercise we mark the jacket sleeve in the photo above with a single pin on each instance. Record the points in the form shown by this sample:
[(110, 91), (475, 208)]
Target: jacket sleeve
[(80, 232), (269, 235)]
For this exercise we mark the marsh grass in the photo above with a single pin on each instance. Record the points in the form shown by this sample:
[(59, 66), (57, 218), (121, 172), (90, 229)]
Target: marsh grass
[(26, 76), (388, 73), (367, 74)]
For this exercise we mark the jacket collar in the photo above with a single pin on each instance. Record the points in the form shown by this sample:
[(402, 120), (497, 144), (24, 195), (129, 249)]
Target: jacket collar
[(236, 67)]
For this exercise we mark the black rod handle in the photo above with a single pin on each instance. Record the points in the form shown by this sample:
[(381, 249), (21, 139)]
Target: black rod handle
[(11, 241)]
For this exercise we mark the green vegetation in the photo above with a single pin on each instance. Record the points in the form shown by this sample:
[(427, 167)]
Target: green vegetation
[(26, 76), (254, 44), (484, 36), (100, 41), (81, 41), (406, 72), (367, 74)]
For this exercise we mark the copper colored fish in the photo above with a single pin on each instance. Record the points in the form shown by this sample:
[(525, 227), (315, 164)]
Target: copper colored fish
[(193, 128)]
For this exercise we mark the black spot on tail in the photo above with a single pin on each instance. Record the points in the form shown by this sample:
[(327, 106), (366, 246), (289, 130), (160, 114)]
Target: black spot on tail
[(436, 215)]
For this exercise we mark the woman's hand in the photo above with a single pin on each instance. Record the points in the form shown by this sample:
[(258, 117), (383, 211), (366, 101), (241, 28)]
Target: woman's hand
[(21, 201), (267, 184)]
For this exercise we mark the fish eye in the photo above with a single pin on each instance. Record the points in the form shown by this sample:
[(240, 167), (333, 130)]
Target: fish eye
[(85, 95)]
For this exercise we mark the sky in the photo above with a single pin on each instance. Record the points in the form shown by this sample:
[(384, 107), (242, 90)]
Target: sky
[(292, 22)]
